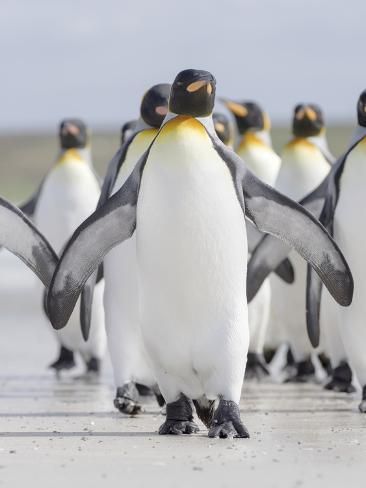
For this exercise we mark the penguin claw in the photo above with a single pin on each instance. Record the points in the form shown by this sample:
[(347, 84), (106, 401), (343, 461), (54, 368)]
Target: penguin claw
[(65, 360), (126, 400), (362, 406), (226, 423), (339, 386), (178, 427), (127, 406)]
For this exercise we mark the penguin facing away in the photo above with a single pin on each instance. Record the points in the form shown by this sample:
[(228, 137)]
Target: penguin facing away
[(128, 356), (186, 200), (68, 194)]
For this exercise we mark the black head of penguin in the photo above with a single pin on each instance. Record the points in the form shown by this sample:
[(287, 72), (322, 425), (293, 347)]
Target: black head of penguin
[(222, 127), (249, 116), (73, 133), (361, 109), (308, 120), (193, 93), (154, 104), (126, 129)]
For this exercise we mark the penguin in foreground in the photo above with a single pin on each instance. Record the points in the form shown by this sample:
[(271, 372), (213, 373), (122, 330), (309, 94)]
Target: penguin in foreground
[(304, 166), (68, 194), (19, 236), (256, 150), (128, 356), (185, 200)]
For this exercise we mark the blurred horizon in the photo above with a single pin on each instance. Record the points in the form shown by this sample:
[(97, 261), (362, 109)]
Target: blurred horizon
[(95, 59)]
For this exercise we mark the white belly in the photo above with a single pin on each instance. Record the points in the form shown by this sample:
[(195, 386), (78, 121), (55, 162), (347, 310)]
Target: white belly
[(303, 169), (262, 161), (350, 234), (192, 255), (69, 195)]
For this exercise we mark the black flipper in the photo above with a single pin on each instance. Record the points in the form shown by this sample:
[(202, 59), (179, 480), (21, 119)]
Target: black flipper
[(20, 237), (278, 215), (29, 207), (108, 226), (109, 181), (314, 287)]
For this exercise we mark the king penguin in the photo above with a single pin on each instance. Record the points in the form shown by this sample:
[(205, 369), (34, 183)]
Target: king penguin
[(304, 165), (185, 200), (68, 194), (128, 356), (223, 128), (255, 148)]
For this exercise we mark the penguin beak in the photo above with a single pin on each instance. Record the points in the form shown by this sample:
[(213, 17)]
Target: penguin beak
[(310, 114), (161, 110)]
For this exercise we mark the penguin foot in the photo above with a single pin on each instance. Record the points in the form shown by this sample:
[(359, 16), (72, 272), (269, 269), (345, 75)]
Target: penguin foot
[(179, 418), (304, 372), (256, 367), (341, 380), (93, 366), (325, 362), (227, 423), (65, 360), (126, 400), (362, 405), (159, 397), (144, 390), (268, 354)]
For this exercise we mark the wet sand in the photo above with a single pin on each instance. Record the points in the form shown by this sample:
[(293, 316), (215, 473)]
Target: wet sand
[(56, 432)]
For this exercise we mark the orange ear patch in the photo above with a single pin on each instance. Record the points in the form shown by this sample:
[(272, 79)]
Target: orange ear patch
[(161, 110), (195, 86)]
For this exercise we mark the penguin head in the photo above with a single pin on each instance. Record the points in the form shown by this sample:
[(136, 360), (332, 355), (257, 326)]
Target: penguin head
[(154, 104), (73, 134), (361, 109), (222, 127), (126, 129), (248, 116), (193, 93), (308, 120)]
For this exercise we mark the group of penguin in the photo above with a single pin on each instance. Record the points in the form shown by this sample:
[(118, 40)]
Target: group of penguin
[(171, 261)]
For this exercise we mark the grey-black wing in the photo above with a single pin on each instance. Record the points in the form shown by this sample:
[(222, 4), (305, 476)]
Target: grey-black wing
[(278, 215), (29, 207), (21, 237)]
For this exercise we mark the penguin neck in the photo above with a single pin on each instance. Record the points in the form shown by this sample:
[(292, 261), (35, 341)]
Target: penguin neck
[(78, 154), (261, 137), (319, 141), (207, 122)]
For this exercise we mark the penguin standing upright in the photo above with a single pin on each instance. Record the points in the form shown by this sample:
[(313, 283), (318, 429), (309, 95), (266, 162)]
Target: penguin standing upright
[(68, 194), (128, 356), (186, 200), (256, 150), (305, 164)]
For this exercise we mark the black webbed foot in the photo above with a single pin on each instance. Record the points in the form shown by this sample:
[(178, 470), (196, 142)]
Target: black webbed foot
[(362, 405), (65, 360), (179, 418), (304, 372), (93, 366), (341, 380), (227, 423), (127, 400), (256, 367)]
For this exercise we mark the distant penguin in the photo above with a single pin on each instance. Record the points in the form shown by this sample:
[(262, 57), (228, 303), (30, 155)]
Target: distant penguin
[(255, 149), (68, 194), (129, 359), (223, 128), (127, 129), (186, 200), (304, 165)]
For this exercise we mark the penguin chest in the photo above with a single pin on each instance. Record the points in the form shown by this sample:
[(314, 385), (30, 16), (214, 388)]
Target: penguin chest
[(349, 225), (262, 161), (191, 238), (69, 195), (303, 168)]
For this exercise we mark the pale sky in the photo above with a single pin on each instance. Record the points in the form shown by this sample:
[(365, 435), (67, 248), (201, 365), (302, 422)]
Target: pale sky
[(95, 58)]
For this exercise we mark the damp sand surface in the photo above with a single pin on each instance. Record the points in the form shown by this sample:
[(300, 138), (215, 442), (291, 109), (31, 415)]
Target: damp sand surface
[(65, 432)]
